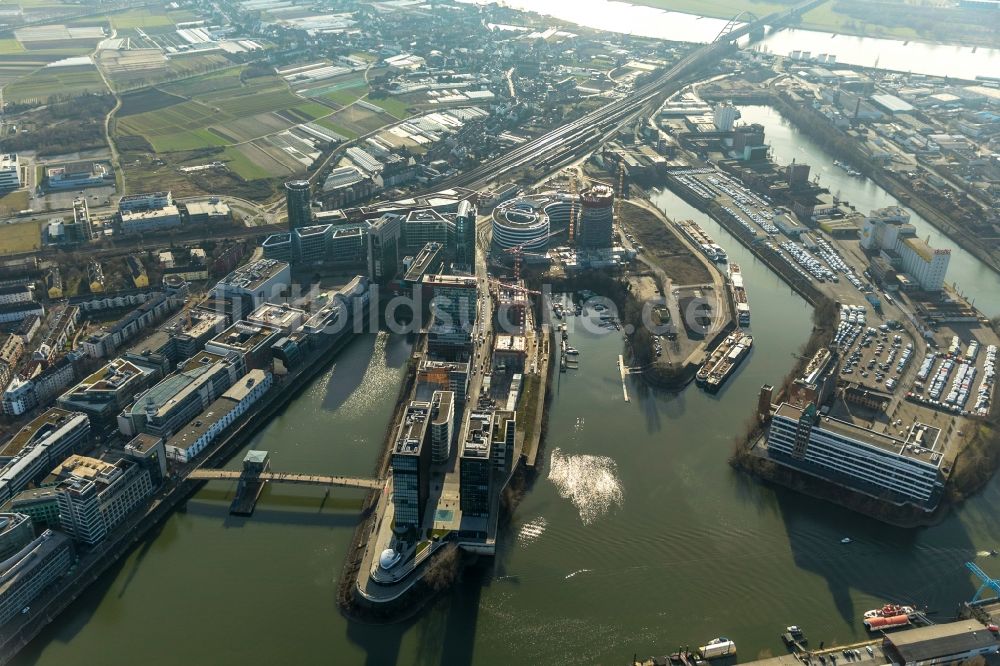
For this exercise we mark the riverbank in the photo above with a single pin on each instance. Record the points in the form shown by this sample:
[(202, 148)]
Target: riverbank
[(861, 18), (99, 560), (818, 128)]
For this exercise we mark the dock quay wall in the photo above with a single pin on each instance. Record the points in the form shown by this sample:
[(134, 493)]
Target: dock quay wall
[(99, 560)]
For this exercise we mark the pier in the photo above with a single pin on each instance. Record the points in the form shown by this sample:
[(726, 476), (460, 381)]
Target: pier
[(624, 372)]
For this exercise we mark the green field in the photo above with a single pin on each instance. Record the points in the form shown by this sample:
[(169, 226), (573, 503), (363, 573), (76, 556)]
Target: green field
[(393, 106), (20, 237), (339, 129), (215, 110), (141, 18), (346, 96), (45, 82), (10, 46), (240, 163)]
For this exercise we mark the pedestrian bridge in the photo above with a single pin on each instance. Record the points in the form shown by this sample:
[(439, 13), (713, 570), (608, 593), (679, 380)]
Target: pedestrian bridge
[(284, 477)]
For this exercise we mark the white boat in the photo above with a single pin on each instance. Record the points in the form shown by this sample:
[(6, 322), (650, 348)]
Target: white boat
[(572, 351), (718, 647), (846, 540)]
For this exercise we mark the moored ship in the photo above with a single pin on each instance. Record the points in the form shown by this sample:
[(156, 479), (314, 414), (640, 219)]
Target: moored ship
[(739, 295), (702, 241), (723, 360)]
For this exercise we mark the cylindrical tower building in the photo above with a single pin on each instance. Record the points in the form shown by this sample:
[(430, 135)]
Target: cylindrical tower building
[(596, 225), (519, 222), (298, 201)]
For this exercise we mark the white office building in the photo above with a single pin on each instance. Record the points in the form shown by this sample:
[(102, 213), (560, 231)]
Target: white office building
[(96, 496), (900, 471), (10, 172)]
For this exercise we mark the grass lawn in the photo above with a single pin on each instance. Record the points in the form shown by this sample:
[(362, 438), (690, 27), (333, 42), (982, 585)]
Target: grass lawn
[(19, 237), (190, 140)]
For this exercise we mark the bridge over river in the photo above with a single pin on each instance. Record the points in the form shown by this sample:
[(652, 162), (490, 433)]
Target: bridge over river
[(286, 477)]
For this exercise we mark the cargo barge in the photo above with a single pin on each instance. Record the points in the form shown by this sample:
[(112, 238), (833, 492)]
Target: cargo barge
[(723, 361), (739, 295), (702, 241)]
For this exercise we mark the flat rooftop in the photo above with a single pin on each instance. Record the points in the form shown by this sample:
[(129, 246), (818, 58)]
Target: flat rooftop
[(412, 429), (254, 274), (929, 450), (510, 343), (50, 420), (479, 435), (465, 281), (245, 384), (282, 316), (192, 432), (245, 335)]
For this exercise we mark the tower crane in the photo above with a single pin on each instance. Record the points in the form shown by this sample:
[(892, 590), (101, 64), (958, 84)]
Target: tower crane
[(517, 251)]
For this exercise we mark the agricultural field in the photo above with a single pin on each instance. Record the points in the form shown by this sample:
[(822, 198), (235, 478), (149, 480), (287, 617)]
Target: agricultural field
[(357, 120), (8, 46), (41, 84), (394, 106), (149, 17), (218, 111)]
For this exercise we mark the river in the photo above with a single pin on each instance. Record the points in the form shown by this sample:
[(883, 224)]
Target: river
[(637, 537), (916, 57)]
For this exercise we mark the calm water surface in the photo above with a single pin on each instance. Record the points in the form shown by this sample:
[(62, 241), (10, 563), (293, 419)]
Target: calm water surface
[(916, 57), (636, 537)]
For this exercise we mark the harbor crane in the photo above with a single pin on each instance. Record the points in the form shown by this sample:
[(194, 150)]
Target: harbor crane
[(988, 583)]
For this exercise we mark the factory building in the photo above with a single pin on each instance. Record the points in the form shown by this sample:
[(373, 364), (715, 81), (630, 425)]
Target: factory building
[(887, 231)]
